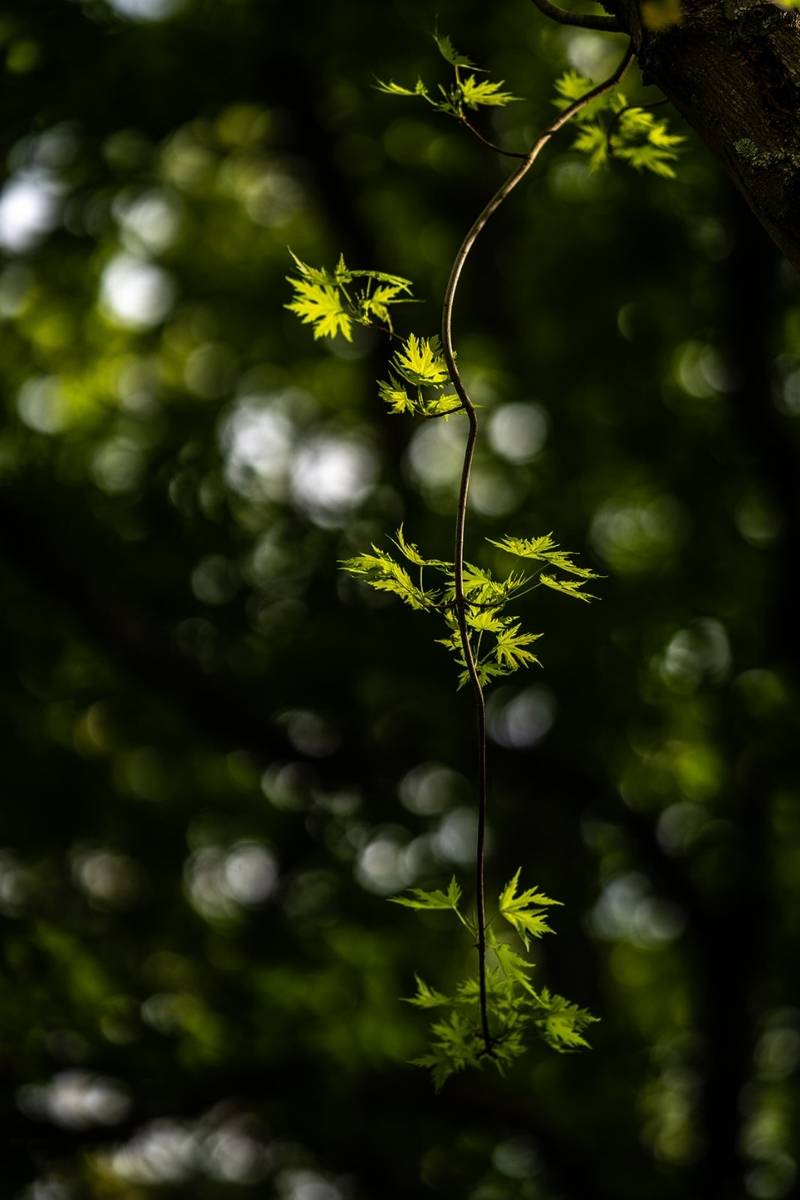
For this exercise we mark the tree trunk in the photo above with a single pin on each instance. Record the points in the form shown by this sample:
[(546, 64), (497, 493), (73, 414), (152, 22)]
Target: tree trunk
[(732, 68)]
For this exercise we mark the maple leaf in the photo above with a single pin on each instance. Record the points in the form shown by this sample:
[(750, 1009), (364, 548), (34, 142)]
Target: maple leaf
[(320, 305)]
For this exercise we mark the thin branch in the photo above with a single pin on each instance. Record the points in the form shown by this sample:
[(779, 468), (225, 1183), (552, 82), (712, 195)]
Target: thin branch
[(465, 121), (581, 20), (479, 224), (448, 412)]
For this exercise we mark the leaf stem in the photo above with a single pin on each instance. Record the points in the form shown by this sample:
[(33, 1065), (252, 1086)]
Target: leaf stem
[(461, 257)]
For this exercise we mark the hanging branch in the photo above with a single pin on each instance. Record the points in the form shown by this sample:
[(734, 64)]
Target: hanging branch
[(580, 20), (502, 193)]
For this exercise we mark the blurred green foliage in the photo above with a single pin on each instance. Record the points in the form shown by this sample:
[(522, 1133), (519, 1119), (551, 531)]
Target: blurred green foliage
[(219, 757)]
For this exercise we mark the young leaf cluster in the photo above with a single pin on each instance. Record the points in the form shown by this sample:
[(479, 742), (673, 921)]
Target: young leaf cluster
[(465, 91), (418, 381), (516, 1008), (609, 127), (332, 301), (499, 644)]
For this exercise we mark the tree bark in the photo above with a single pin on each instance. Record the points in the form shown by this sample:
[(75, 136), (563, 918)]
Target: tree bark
[(732, 68)]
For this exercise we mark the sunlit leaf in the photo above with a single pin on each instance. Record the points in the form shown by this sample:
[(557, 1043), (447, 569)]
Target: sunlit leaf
[(320, 305), (524, 910), (420, 361), (449, 52), (426, 997), (397, 89), (568, 587), (483, 93), (511, 647), (381, 572), (431, 900)]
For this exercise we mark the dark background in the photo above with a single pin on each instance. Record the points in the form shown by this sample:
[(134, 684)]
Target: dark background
[(219, 756)]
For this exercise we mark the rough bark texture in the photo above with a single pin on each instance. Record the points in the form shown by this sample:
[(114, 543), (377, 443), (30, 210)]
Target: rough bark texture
[(732, 68)]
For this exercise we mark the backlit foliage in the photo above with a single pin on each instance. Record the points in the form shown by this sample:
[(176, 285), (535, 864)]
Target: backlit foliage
[(499, 645), (610, 128), (332, 301), (466, 90), (516, 1007)]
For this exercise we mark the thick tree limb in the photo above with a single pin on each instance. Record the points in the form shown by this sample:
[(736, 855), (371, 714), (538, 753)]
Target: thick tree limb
[(732, 68)]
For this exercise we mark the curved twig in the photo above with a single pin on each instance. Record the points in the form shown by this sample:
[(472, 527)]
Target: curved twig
[(581, 20), (448, 412), (465, 121), (478, 225)]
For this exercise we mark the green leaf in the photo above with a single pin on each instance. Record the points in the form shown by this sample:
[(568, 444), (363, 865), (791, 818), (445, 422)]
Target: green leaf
[(513, 965), (487, 620), (412, 552), (528, 925), (507, 1049), (659, 136), (449, 52), (382, 277), (313, 274), (645, 142), (396, 89), (562, 1023), (441, 1068), (442, 406), (536, 548), (408, 549), (478, 93), (458, 1038), (400, 400), (321, 298), (456, 1045), (646, 157), (381, 572), (524, 911), (420, 362), (481, 588), (377, 304), (568, 587), (509, 900), (474, 578), (563, 560), (543, 549), (510, 648), (487, 671), (426, 997), (593, 141), (610, 128), (320, 305), (453, 892), (431, 900), (572, 86), (469, 990), (395, 395)]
